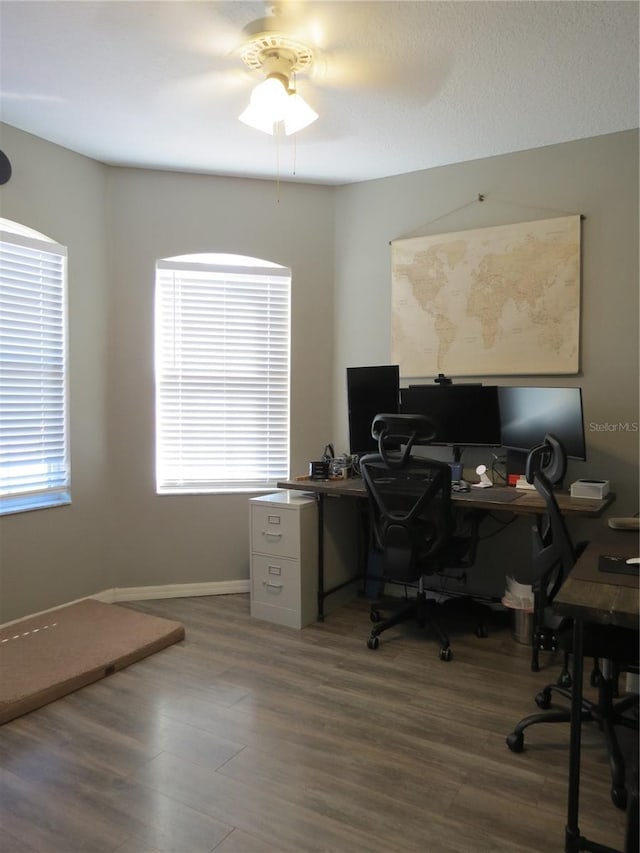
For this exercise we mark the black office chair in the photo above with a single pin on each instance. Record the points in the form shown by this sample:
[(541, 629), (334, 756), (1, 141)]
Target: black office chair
[(411, 518), (553, 553), (617, 648)]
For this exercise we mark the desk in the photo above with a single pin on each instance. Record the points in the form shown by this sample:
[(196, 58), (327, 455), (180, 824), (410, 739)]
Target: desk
[(524, 502), (497, 498), (609, 603)]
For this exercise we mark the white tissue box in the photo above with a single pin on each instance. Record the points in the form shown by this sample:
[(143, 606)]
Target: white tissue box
[(595, 489)]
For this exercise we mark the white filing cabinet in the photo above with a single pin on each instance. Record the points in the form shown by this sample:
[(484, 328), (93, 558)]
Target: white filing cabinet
[(284, 558)]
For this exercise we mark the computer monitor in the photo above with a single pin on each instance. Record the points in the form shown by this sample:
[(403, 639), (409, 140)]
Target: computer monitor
[(528, 414), (370, 391), (464, 415)]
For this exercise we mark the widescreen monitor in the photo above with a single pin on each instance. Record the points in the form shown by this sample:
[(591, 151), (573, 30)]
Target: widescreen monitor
[(464, 415), (528, 414), (370, 391)]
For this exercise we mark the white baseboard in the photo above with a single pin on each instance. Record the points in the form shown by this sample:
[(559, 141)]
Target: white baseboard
[(147, 593), (172, 590)]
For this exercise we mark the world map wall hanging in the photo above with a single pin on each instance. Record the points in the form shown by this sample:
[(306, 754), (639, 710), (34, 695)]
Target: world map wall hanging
[(495, 301)]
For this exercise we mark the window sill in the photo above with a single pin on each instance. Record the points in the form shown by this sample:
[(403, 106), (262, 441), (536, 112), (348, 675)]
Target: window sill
[(27, 503)]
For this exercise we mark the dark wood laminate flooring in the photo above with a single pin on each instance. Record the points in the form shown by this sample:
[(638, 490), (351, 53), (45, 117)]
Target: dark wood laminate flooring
[(248, 737)]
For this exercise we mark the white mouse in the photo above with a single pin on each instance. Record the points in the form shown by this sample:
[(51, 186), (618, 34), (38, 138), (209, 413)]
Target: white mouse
[(633, 560)]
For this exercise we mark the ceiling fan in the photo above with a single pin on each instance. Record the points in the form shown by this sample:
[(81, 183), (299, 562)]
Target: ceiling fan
[(279, 55), (314, 57)]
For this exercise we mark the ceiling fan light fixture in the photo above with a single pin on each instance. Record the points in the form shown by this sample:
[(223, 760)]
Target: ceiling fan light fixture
[(271, 96), (257, 119), (267, 104), (274, 100), (298, 115)]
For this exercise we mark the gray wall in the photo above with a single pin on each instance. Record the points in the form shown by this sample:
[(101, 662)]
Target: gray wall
[(56, 555), (117, 531), (117, 222), (190, 539), (595, 177)]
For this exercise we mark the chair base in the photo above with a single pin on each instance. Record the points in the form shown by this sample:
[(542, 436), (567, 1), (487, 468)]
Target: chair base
[(605, 712), (416, 609)]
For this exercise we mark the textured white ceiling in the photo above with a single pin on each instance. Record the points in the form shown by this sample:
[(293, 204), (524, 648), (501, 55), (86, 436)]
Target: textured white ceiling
[(399, 86)]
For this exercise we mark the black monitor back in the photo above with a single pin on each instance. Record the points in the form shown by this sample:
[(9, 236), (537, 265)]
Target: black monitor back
[(464, 415), (370, 391), (529, 413)]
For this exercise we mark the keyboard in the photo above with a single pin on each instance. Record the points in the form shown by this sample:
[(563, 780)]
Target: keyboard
[(489, 495)]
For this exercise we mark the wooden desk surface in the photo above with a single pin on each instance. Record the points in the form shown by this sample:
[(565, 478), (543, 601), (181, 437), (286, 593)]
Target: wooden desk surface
[(598, 596), (524, 502)]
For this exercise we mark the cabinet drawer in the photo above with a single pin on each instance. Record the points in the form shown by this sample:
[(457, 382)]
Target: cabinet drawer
[(275, 531), (275, 581)]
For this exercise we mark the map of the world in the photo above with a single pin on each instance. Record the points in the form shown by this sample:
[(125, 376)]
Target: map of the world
[(491, 301)]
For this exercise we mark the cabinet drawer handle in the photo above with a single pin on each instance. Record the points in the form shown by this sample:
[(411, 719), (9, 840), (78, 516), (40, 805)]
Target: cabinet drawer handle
[(271, 534), (275, 586)]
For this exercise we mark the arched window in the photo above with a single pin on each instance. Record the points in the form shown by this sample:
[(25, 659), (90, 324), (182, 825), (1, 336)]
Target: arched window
[(34, 454), (222, 373)]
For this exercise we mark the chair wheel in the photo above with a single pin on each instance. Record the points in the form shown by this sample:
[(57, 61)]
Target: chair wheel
[(543, 699), (535, 667), (515, 741), (564, 680), (619, 797), (375, 616), (481, 632), (373, 643), (446, 653)]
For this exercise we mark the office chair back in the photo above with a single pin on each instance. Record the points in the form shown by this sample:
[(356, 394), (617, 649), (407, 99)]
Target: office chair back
[(398, 434), (409, 497), (545, 466), (554, 553)]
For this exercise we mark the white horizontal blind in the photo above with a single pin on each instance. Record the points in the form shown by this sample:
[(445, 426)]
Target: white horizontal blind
[(34, 458), (222, 376)]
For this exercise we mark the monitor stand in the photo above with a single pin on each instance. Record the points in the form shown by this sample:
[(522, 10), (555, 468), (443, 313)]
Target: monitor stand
[(456, 465)]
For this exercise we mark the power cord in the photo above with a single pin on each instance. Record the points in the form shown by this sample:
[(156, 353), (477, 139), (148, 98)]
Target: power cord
[(499, 461), (502, 525)]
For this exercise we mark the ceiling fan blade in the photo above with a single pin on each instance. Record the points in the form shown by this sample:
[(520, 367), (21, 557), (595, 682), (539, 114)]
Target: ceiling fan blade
[(199, 87), (348, 70), (204, 58)]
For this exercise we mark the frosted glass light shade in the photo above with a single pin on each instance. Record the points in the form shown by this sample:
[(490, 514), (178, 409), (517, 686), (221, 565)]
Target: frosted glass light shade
[(267, 105), (256, 118), (298, 115), (271, 102)]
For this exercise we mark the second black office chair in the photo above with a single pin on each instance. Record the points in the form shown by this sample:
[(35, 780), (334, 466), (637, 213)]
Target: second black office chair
[(553, 553), (411, 517), (554, 557)]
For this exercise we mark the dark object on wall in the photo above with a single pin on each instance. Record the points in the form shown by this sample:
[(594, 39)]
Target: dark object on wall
[(5, 168)]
